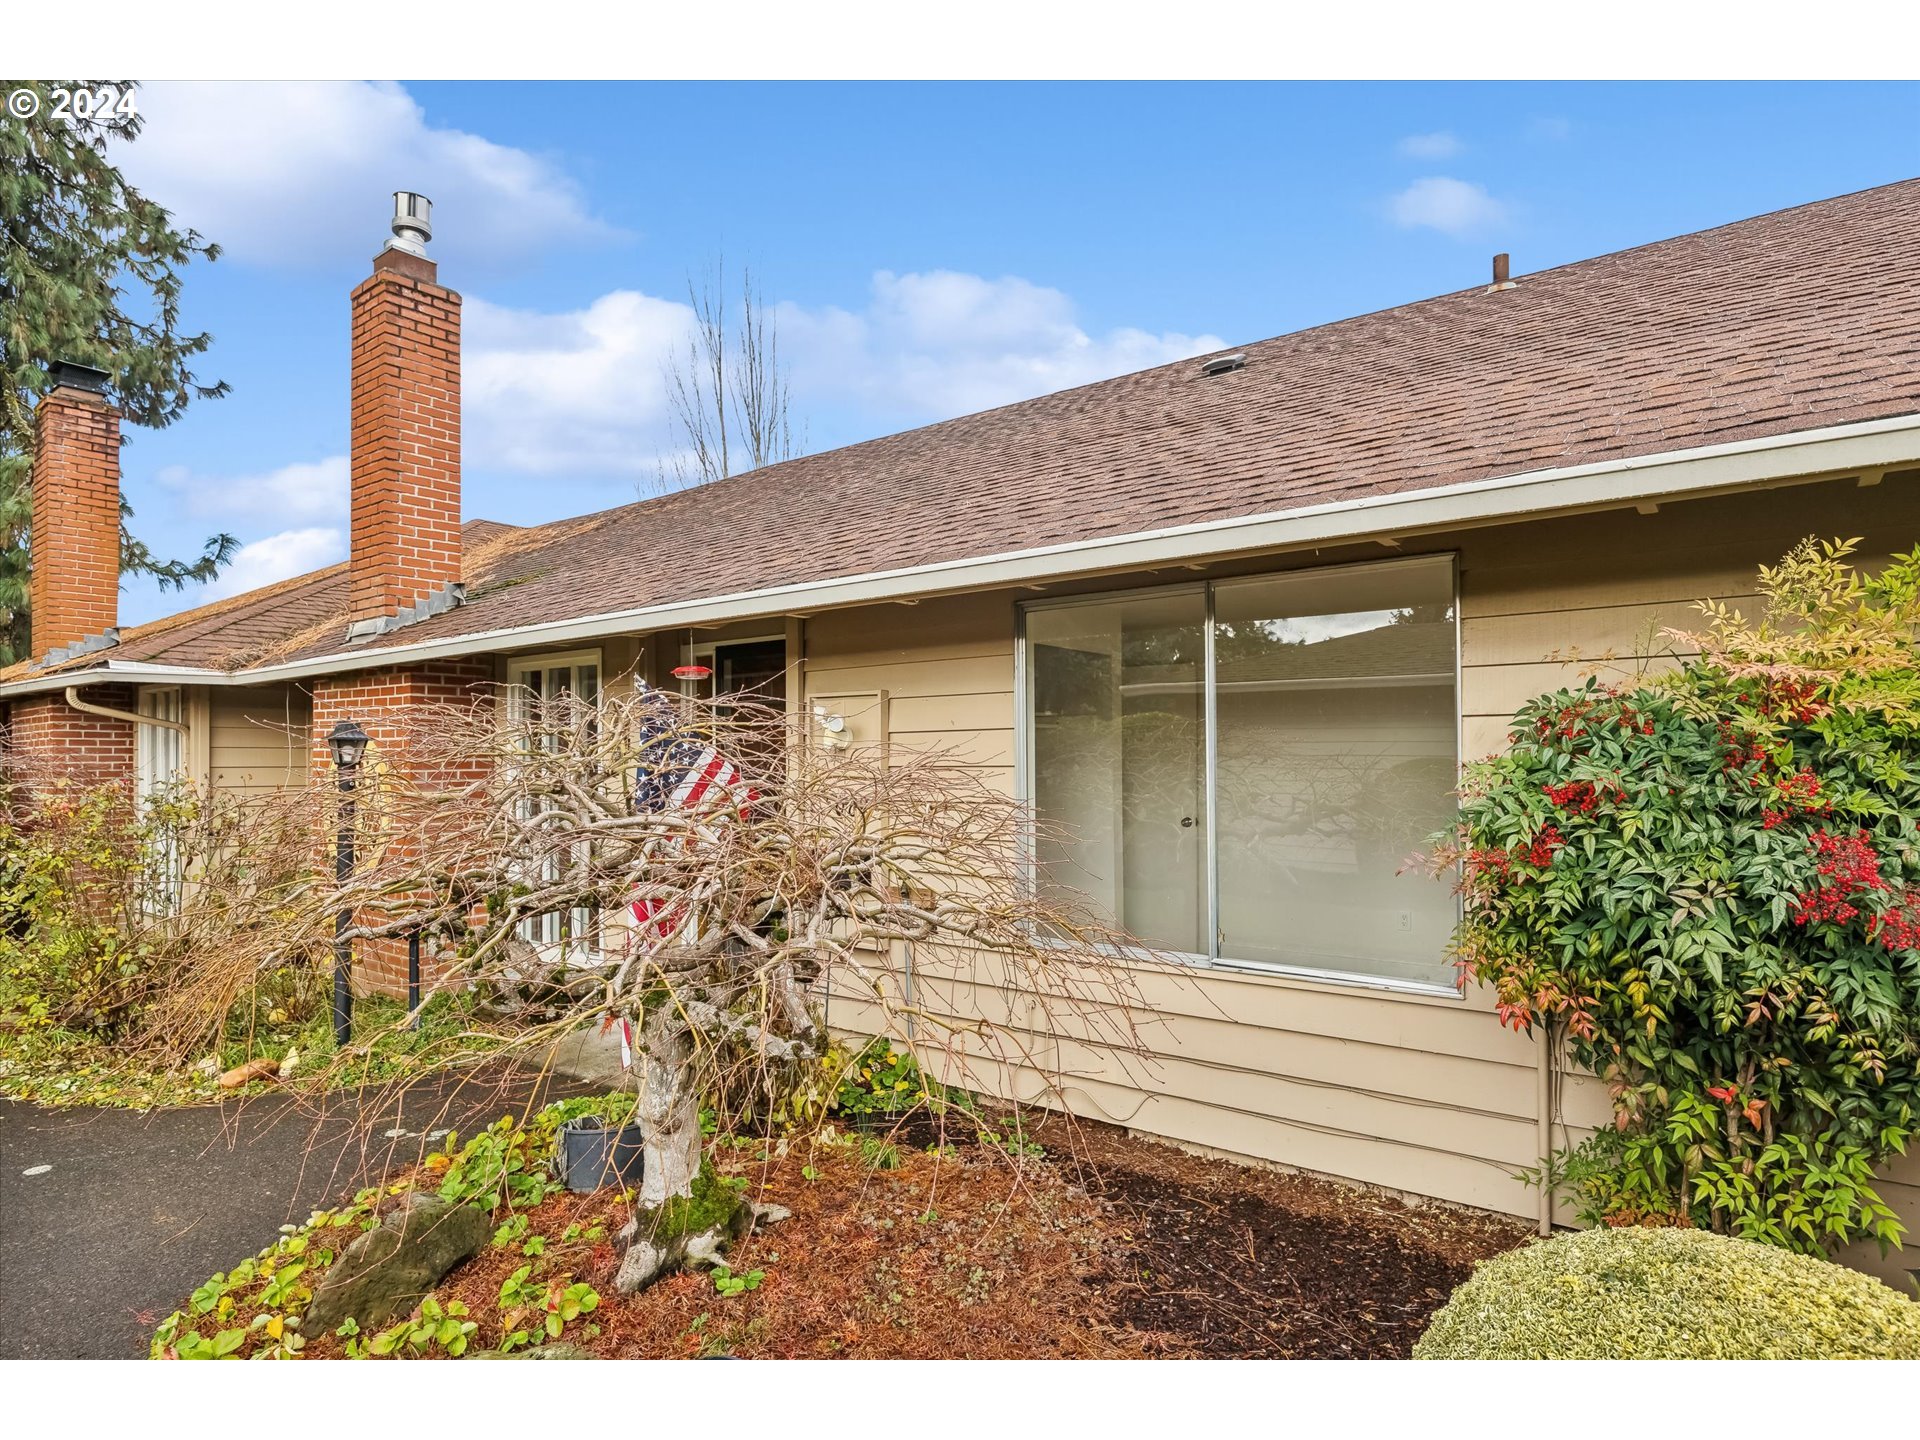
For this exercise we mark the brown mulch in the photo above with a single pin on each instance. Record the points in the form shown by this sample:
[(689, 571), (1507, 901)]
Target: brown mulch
[(1110, 1247), (1235, 1261)]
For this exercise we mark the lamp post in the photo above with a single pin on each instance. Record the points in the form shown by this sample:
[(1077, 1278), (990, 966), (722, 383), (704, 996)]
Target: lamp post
[(348, 742)]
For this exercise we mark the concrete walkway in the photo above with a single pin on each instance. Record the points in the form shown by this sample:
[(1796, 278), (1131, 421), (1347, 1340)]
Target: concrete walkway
[(109, 1218)]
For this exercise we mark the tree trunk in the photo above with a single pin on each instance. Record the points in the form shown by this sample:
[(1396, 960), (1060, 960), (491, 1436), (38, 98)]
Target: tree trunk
[(662, 1237), (669, 1110)]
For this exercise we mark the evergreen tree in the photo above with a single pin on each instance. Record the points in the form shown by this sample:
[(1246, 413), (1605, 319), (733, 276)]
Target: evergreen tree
[(90, 271)]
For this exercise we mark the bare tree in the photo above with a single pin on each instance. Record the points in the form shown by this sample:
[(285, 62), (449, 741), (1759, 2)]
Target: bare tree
[(723, 910), (728, 389)]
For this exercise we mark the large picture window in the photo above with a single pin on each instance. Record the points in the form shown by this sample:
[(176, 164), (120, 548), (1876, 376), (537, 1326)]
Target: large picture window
[(1238, 771)]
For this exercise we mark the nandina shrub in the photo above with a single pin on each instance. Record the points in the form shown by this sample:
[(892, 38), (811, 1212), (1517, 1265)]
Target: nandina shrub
[(1708, 882)]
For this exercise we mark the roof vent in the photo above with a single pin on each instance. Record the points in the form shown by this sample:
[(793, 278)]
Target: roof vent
[(1221, 364), (412, 223), (1500, 280)]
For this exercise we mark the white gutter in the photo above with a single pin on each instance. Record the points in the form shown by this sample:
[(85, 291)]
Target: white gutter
[(1866, 446), (132, 717)]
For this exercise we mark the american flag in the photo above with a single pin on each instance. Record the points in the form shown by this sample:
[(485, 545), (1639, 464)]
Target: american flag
[(678, 771)]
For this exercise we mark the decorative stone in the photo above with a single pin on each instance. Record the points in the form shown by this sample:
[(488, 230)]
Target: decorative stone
[(389, 1269)]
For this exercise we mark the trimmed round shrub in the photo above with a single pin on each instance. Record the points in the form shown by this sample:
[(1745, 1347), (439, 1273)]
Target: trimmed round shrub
[(1669, 1294)]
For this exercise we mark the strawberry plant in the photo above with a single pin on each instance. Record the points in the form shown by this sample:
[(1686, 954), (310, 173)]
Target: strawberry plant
[(1708, 884)]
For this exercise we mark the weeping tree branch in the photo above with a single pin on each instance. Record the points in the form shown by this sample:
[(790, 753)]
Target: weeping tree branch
[(715, 909)]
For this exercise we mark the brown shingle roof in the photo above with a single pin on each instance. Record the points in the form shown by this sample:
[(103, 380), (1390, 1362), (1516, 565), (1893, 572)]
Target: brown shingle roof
[(1791, 321)]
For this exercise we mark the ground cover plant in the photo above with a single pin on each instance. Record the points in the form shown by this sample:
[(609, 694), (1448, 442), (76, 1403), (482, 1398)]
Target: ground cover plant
[(1707, 883), (732, 871), (1669, 1294), (1084, 1242)]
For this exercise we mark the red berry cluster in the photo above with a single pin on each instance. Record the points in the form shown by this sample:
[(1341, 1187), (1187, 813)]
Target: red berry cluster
[(1631, 719), (1486, 860), (1740, 753), (1800, 794), (1540, 853), (1574, 795), (1568, 722), (1898, 928), (1490, 860), (1792, 700), (1849, 867)]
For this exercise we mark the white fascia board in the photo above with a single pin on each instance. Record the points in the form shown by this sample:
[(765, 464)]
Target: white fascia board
[(1798, 455)]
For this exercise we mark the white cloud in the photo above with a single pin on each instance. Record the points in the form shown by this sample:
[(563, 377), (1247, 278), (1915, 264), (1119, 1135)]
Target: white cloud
[(1435, 145), (305, 490), (942, 343), (583, 392), (277, 557), (303, 172), (1455, 207)]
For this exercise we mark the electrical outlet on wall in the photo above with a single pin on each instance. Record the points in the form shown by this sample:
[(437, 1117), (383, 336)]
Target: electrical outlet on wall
[(1403, 921)]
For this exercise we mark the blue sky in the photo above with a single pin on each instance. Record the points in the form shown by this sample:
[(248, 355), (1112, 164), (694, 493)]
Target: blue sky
[(933, 249)]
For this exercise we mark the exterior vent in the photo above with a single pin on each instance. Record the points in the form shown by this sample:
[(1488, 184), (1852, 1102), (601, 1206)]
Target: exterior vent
[(1221, 364), (412, 222)]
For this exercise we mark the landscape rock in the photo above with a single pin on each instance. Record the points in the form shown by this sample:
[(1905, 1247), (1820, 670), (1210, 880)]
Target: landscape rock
[(552, 1350), (387, 1270), (766, 1213)]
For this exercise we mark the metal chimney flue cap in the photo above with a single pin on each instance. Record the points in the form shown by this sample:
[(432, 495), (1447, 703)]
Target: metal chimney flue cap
[(412, 222), (72, 375)]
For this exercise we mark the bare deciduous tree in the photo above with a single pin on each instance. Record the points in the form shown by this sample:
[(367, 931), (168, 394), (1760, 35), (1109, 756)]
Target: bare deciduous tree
[(722, 906), (728, 389)]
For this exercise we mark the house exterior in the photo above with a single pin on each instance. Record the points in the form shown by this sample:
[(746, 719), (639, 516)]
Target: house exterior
[(1233, 622)]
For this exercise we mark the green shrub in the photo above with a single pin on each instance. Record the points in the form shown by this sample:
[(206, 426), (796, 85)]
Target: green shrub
[(74, 863), (1664, 1294), (1709, 884)]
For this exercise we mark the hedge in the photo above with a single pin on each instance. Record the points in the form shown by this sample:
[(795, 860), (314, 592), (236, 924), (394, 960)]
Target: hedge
[(1669, 1294)]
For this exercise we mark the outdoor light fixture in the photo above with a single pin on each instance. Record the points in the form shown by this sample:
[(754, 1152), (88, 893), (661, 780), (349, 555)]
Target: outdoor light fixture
[(348, 742)]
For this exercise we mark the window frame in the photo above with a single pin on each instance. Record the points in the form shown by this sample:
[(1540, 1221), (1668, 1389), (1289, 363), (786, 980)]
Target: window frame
[(1024, 758), (168, 703), (587, 949)]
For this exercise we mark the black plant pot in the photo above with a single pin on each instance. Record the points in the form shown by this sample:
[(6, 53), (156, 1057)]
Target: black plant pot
[(594, 1154)]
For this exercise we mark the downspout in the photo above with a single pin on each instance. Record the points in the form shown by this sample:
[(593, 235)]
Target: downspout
[(131, 717), (1543, 1121)]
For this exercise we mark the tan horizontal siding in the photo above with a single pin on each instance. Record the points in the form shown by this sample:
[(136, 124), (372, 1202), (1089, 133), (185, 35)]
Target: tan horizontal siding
[(258, 738), (1427, 1094)]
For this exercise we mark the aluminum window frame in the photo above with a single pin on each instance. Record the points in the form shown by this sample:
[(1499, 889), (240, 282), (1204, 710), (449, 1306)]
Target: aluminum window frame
[(1023, 752)]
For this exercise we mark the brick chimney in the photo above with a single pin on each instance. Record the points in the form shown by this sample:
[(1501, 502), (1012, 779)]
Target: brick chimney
[(74, 589), (405, 545)]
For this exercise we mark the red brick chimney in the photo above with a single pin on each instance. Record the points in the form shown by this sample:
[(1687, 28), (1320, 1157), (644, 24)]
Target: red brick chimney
[(74, 589), (405, 545)]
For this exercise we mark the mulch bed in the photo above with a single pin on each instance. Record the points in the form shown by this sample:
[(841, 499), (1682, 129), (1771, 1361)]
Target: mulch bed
[(1233, 1261), (1110, 1247)]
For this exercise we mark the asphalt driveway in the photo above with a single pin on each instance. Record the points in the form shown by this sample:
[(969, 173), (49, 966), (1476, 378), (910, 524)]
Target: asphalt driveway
[(108, 1218)]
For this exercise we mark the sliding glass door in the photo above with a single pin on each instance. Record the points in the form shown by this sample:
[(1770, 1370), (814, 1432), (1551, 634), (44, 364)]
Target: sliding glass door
[(1239, 771)]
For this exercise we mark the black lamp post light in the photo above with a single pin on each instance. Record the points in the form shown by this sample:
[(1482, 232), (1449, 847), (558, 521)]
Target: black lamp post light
[(348, 742)]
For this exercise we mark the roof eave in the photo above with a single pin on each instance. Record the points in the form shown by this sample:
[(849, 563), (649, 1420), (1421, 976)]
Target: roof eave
[(1796, 456)]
